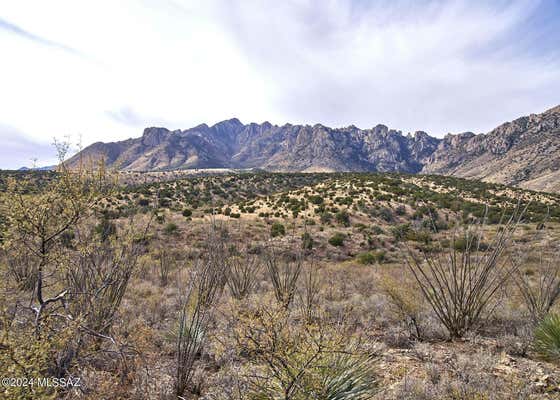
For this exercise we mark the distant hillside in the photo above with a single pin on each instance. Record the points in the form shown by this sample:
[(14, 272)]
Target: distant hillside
[(524, 152), (47, 168)]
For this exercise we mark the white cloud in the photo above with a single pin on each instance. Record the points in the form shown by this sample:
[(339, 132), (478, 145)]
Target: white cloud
[(436, 66), (20, 151)]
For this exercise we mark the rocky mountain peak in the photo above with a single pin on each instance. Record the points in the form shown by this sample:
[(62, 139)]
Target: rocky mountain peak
[(380, 129), (154, 136), (420, 136), (525, 151), (552, 111), (229, 123)]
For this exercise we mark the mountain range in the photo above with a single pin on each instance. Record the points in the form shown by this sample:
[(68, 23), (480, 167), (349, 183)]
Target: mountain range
[(524, 152)]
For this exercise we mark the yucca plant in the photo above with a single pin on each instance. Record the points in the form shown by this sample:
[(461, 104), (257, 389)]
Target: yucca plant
[(349, 377), (547, 338)]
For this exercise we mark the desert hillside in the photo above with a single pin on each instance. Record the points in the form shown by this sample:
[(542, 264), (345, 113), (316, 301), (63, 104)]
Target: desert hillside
[(164, 285)]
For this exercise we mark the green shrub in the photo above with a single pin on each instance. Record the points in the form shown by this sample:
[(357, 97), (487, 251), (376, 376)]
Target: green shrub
[(316, 199), (386, 215), (460, 244), (343, 218), (187, 213), (400, 210), (371, 257), (164, 202), (337, 239), (401, 231), (379, 256), (170, 229), (420, 236), (366, 258), (326, 217), (277, 229), (547, 338)]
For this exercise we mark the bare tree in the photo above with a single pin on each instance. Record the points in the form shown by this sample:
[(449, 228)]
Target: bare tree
[(77, 281), (38, 223)]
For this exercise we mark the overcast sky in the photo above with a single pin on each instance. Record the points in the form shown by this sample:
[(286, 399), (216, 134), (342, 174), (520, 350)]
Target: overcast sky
[(104, 70)]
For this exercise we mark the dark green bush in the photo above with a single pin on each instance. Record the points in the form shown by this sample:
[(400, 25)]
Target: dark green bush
[(401, 231), (343, 218), (371, 257), (316, 199), (386, 215), (337, 239), (326, 217), (460, 244), (366, 258), (277, 229), (170, 229)]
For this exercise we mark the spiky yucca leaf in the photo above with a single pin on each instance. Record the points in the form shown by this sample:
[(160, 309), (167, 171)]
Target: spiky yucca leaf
[(547, 338), (349, 377)]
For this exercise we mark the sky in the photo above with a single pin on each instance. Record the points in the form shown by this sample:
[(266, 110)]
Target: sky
[(104, 70)]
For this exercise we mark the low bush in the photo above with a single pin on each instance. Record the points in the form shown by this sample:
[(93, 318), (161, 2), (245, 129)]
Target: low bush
[(343, 218), (171, 228), (366, 258), (371, 257), (277, 229), (337, 239)]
